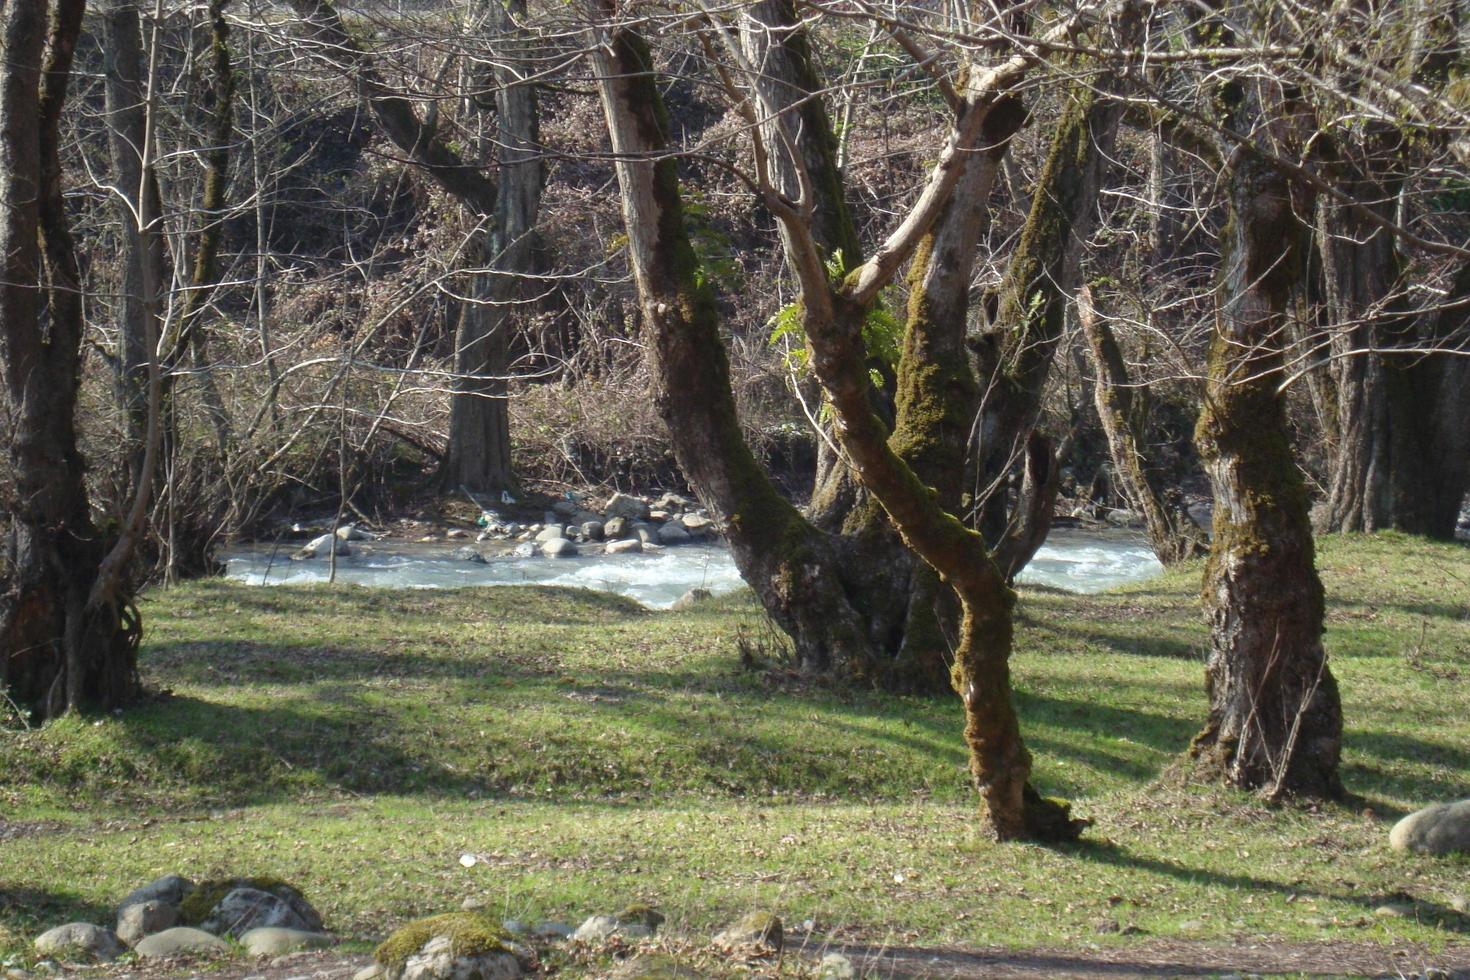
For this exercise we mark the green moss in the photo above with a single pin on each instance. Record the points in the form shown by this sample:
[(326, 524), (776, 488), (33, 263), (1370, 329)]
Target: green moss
[(207, 894), (469, 934)]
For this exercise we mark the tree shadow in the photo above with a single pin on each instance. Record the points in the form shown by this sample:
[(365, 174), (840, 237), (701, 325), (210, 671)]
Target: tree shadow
[(31, 911)]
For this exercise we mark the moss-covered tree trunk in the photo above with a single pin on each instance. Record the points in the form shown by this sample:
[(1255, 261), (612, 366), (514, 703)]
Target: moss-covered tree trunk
[(792, 566), (58, 650), (1275, 721), (1171, 532)]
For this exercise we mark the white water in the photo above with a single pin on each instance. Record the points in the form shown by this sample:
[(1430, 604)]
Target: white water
[(1077, 561)]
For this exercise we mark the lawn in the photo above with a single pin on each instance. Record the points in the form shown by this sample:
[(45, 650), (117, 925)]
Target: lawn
[(357, 742)]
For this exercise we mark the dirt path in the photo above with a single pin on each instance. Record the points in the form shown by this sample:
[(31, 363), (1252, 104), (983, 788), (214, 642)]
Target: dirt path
[(1159, 958)]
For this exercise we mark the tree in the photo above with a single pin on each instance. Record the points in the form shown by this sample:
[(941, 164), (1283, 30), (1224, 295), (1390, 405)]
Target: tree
[(68, 632)]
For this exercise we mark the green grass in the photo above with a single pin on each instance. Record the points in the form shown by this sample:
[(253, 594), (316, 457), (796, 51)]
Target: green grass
[(356, 742)]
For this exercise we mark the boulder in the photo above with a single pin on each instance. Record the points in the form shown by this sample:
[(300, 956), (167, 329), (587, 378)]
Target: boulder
[(565, 508), (622, 505), (1440, 829), (633, 922), (615, 528), (79, 941), (595, 929), (673, 503), (455, 946), (673, 534), (592, 530), (630, 546), (471, 555), (550, 533), (351, 532), (456, 533), (559, 548), (524, 550), (754, 929), (697, 524), (231, 906), (692, 598), (139, 919), (276, 941), (1124, 518), (170, 889), (321, 547), (646, 533), (180, 941)]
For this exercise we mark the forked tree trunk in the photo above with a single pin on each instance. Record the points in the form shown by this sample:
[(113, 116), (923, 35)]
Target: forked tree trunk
[(57, 651), (1275, 721), (1171, 532)]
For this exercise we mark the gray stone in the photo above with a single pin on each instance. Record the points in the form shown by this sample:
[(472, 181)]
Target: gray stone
[(524, 550), (436, 960), (646, 533), (697, 524), (551, 930), (835, 966), (635, 930), (1394, 910), (673, 534), (673, 503), (79, 940), (631, 546), (370, 972), (565, 508), (470, 555), (559, 548), (170, 889), (596, 929), (514, 926), (456, 533), (321, 547), (1440, 829), (179, 941), (754, 929), (140, 919), (552, 533), (351, 532), (244, 909), (275, 941), (692, 598), (615, 528), (592, 530), (1123, 518), (622, 505)]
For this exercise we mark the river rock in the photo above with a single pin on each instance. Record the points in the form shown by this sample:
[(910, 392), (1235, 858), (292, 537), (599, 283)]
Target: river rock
[(646, 533), (559, 548), (673, 503), (592, 530), (595, 929), (622, 505), (673, 534), (436, 960), (139, 919), (1120, 517), (524, 550), (1440, 829), (170, 889), (79, 940), (351, 532), (550, 533), (180, 941), (565, 508), (754, 929), (276, 941), (321, 547), (697, 524), (630, 546), (692, 598), (469, 554), (244, 909), (615, 528), (456, 534)]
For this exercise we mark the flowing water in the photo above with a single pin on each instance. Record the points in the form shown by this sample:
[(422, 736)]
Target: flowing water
[(1078, 561)]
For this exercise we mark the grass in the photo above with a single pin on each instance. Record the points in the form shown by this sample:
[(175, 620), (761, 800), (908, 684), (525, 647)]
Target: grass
[(357, 742)]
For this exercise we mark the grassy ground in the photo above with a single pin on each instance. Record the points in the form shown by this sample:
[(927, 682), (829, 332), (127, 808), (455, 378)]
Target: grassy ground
[(358, 742)]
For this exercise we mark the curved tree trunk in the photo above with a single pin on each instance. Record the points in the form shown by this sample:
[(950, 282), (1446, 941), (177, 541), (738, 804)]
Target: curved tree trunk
[(1275, 721), (58, 651)]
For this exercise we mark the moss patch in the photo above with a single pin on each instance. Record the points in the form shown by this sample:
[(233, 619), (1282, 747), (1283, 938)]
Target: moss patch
[(469, 934)]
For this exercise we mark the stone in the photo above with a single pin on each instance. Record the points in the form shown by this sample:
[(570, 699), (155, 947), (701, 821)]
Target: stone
[(697, 524), (514, 926), (551, 930), (244, 909), (754, 929), (524, 550), (79, 941), (673, 534), (470, 555), (630, 546), (1123, 518), (139, 919), (635, 931), (351, 532), (622, 505), (321, 547), (559, 548), (170, 890), (179, 941), (835, 966), (276, 941), (456, 533), (592, 530), (615, 528), (437, 960), (370, 972), (692, 598), (646, 533), (550, 533), (1440, 829), (1461, 904), (565, 508), (595, 929), (1394, 910), (658, 516)]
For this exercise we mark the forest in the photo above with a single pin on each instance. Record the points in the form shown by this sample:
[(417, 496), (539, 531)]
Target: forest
[(1053, 419)]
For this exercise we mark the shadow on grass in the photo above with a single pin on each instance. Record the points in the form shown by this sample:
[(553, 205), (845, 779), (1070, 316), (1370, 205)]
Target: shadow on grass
[(31, 911)]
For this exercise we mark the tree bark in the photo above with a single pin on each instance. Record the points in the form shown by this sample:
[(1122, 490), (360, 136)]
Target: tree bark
[(1275, 721), (57, 652), (1172, 533)]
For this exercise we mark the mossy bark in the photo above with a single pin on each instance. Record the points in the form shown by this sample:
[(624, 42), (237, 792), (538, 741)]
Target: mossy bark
[(57, 652), (1172, 533), (1275, 721)]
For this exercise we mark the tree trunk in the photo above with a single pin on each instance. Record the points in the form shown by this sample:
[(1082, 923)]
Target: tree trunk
[(1172, 533), (57, 652), (1275, 721)]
